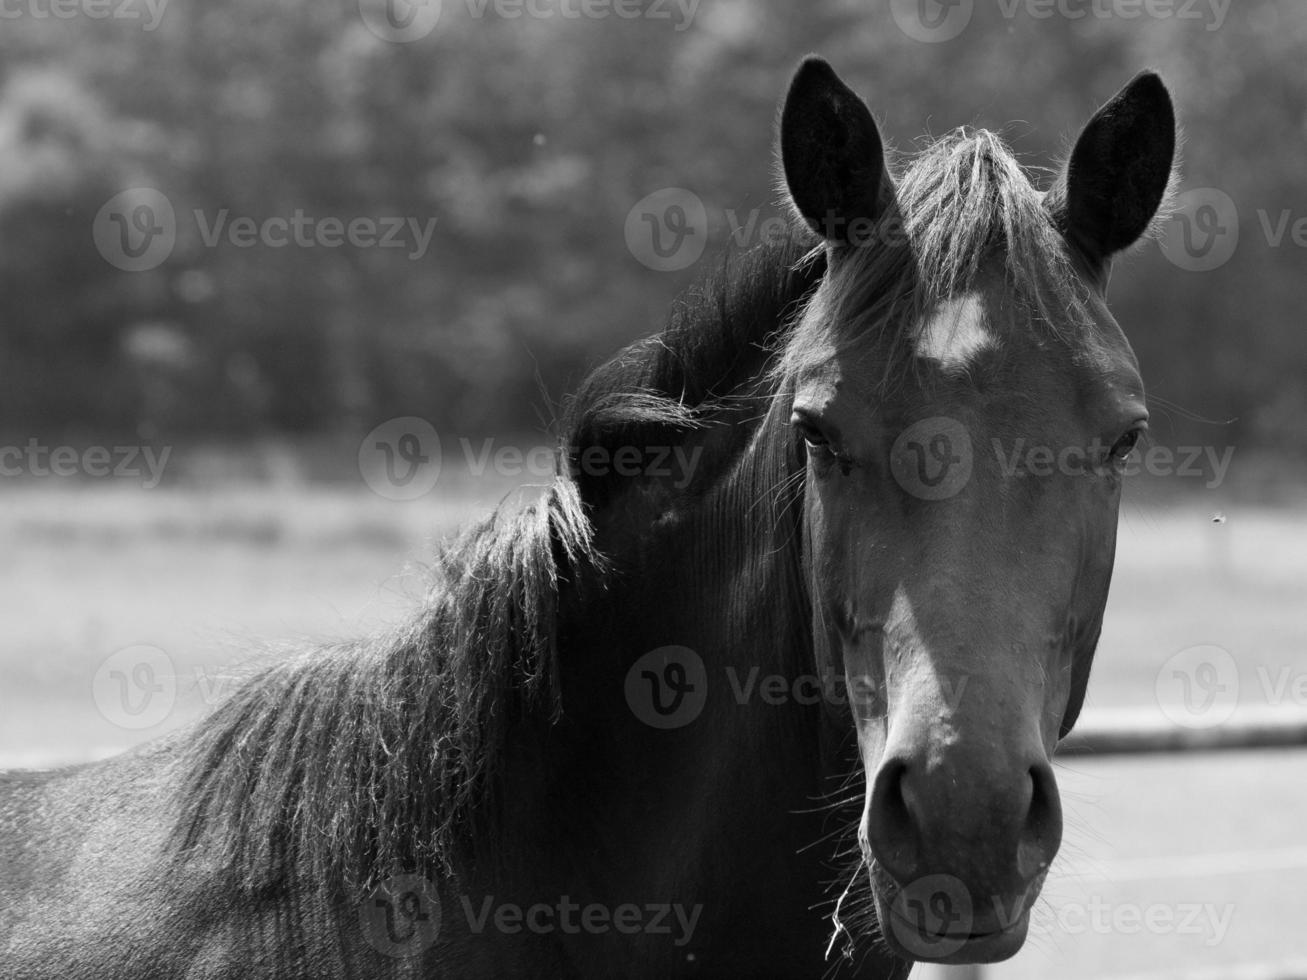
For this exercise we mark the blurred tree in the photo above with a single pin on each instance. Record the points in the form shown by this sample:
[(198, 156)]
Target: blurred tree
[(526, 141)]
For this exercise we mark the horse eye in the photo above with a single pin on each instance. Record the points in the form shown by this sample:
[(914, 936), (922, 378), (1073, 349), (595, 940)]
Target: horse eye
[(812, 435), (1123, 447)]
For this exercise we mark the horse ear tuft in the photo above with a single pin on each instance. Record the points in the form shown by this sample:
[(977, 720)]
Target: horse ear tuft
[(1118, 175), (831, 154)]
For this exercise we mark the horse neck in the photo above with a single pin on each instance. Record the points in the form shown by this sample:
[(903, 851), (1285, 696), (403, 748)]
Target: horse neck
[(716, 566), (717, 570)]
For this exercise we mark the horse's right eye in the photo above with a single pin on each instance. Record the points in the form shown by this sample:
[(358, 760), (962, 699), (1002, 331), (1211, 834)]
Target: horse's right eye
[(812, 436)]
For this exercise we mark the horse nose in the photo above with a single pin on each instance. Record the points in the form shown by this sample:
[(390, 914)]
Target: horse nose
[(994, 827)]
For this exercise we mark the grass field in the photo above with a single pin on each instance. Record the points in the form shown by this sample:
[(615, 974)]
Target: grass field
[(229, 576)]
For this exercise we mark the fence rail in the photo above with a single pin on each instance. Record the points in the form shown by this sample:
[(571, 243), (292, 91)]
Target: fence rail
[(1141, 732)]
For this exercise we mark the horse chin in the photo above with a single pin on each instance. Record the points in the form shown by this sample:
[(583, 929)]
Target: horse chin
[(979, 936)]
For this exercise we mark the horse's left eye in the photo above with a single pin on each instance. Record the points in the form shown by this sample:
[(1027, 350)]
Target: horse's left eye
[(1123, 447)]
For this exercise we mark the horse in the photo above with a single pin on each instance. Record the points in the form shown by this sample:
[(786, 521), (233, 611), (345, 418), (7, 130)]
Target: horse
[(767, 681)]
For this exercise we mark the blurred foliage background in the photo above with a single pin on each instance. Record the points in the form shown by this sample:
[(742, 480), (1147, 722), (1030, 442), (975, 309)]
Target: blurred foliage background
[(528, 139)]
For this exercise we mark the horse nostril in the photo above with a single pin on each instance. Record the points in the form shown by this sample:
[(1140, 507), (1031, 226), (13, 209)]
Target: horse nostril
[(891, 829), (1042, 834)]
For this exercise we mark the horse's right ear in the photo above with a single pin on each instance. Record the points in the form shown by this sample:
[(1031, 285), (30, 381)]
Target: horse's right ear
[(832, 155)]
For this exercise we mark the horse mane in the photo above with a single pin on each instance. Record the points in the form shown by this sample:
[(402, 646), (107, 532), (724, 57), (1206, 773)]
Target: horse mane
[(718, 335), (364, 759), (962, 204), (355, 761)]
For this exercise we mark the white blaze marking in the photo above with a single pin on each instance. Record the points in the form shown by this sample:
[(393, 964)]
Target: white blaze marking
[(955, 333)]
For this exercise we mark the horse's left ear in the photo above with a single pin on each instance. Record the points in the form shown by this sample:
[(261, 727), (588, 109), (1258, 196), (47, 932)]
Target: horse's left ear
[(1119, 171)]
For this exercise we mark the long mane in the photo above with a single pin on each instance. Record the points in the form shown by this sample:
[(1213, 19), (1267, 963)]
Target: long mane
[(368, 758)]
